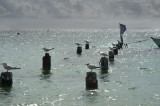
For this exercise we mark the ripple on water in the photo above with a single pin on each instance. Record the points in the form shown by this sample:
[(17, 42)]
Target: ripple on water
[(132, 88)]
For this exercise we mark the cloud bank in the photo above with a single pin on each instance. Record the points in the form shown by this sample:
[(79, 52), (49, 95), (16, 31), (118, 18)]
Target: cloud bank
[(100, 10)]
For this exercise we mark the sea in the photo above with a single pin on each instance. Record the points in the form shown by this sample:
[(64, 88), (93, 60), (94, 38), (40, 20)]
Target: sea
[(133, 78)]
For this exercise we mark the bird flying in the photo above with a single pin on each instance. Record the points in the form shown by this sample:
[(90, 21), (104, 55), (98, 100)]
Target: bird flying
[(8, 67)]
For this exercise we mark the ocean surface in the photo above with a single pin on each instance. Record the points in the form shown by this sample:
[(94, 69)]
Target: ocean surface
[(133, 78)]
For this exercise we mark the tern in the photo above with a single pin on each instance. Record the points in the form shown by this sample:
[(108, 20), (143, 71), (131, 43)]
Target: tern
[(103, 54), (113, 44), (87, 41), (91, 67), (8, 67), (47, 50), (110, 48), (78, 44)]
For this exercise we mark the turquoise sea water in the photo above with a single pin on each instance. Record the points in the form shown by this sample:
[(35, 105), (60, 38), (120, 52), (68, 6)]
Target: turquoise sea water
[(133, 78)]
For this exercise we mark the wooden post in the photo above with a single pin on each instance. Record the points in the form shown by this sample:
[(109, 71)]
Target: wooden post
[(111, 55), (118, 46), (87, 46), (79, 50), (104, 63), (47, 62), (115, 50), (6, 79), (91, 81)]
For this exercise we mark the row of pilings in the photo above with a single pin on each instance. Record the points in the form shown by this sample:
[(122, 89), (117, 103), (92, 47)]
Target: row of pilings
[(91, 77), (6, 78)]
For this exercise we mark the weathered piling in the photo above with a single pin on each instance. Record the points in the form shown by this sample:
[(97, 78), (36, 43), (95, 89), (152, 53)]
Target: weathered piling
[(104, 63), (87, 46), (6, 79), (115, 50), (91, 81), (79, 50), (46, 62), (118, 46), (111, 55)]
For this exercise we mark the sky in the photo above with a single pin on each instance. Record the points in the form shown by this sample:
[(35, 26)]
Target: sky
[(79, 14)]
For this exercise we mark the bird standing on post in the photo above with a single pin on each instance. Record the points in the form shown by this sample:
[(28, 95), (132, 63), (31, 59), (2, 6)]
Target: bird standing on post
[(46, 49), (8, 67), (87, 41), (78, 44), (103, 54), (91, 67)]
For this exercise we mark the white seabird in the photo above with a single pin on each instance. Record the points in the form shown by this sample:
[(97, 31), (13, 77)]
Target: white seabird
[(103, 54), (8, 67), (78, 44), (87, 41), (46, 49), (91, 67)]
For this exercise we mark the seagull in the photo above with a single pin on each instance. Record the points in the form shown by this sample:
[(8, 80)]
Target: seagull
[(47, 50), (103, 54), (87, 41), (78, 44), (113, 44), (110, 48), (8, 67), (91, 66)]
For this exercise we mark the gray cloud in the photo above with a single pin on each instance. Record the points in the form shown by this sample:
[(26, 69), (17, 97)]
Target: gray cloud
[(79, 9)]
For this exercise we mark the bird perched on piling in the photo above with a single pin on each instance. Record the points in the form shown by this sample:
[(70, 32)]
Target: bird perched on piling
[(87, 41), (8, 67), (113, 44), (92, 67), (78, 44), (46, 49), (103, 54), (110, 48)]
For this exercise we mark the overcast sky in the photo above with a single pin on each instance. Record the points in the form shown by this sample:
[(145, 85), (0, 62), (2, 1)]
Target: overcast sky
[(79, 13)]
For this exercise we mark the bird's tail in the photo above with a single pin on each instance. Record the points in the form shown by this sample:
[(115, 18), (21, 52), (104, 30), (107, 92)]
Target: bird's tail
[(16, 68), (98, 67)]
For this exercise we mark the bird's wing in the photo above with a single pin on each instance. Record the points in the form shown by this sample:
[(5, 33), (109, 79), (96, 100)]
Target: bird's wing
[(8, 67)]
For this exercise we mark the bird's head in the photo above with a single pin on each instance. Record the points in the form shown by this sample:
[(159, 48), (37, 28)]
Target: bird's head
[(4, 64), (87, 41), (87, 64)]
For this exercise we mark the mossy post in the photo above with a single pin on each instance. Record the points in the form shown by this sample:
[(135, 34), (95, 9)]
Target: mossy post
[(118, 46), (6, 79), (91, 81), (111, 55), (115, 50), (87, 46), (79, 50), (46, 62)]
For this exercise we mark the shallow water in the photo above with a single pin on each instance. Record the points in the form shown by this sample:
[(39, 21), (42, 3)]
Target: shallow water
[(133, 77)]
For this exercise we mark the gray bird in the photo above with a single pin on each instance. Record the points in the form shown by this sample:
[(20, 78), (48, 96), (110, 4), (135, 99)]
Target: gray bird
[(78, 44), (103, 54), (46, 49), (87, 41), (8, 67), (92, 67)]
